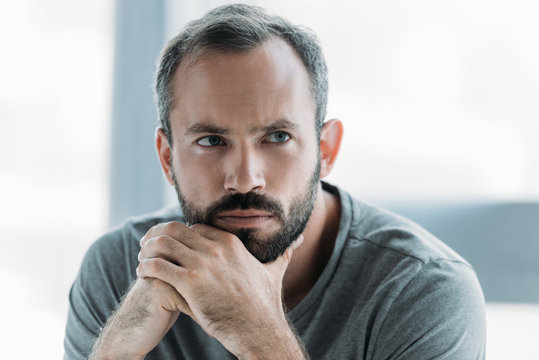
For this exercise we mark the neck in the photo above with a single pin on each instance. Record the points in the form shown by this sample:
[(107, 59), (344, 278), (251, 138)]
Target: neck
[(309, 259)]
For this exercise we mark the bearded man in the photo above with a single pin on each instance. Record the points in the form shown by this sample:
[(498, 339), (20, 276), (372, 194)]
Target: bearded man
[(264, 260)]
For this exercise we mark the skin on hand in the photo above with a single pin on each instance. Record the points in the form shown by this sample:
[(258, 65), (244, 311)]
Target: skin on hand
[(229, 293)]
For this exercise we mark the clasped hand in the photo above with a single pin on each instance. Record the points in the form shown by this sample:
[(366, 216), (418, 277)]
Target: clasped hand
[(208, 274)]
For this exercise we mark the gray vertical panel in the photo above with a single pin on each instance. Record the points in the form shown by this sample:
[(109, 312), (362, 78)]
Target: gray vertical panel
[(136, 184)]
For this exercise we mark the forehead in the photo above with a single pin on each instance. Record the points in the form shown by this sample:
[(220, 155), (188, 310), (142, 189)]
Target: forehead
[(242, 90)]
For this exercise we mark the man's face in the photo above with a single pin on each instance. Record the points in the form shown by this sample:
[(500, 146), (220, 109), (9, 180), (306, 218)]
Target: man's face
[(245, 156)]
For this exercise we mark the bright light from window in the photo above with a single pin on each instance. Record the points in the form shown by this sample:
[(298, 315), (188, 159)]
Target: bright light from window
[(438, 98), (54, 110)]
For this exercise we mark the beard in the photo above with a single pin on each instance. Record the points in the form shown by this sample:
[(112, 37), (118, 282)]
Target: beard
[(265, 248)]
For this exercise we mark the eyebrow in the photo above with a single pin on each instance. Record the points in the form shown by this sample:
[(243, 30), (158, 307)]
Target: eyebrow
[(199, 128), (206, 128), (283, 124)]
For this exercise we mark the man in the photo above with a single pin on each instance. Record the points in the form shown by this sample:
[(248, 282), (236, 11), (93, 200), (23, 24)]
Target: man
[(264, 260)]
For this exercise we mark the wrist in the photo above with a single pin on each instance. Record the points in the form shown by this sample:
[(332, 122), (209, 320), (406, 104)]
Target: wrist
[(111, 345), (111, 352)]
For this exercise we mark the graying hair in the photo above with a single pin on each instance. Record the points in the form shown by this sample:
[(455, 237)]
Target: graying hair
[(240, 28)]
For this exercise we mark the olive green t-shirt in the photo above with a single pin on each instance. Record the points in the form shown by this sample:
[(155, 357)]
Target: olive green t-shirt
[(390, 290)]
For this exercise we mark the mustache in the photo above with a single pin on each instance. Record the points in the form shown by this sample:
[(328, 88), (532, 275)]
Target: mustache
[(245, 201)]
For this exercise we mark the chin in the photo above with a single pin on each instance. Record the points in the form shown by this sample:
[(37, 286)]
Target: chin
[(265, 247)]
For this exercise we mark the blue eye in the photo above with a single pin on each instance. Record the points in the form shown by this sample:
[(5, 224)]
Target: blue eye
[(278, 137), (210, 141)]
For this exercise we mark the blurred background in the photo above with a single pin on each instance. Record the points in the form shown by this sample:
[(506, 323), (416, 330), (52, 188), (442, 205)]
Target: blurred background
[(438, 99)]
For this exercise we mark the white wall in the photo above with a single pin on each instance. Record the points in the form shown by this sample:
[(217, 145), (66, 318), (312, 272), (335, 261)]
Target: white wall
[(438, 98)]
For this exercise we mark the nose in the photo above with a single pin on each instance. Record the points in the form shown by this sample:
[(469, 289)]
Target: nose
[(243, 170)]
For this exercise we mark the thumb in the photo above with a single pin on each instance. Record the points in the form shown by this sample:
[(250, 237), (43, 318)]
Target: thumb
[(278, 267)]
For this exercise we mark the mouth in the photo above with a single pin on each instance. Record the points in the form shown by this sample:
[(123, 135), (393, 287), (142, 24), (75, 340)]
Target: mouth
[(244, 218)]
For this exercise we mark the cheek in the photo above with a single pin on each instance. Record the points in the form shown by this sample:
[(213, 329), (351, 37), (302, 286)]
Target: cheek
[(198, 176), (289, 172)]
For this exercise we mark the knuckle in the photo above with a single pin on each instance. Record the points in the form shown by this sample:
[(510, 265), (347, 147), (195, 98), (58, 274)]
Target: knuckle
[(152, 265), (215, 251), (169, 226), (192, 275), (160, 241), (196, 227), (156, 229), (149, 234), (199, 229), (231, 241)]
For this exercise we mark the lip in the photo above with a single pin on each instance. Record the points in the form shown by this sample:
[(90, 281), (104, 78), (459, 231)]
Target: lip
[(245, 213), (245, 218)]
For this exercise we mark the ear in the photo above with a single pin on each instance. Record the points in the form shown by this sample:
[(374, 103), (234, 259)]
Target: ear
[(330, 143), (164, 152)]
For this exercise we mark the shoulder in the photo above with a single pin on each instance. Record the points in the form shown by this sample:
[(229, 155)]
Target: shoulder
[(427, 297), (395, 245), (387, 230), (375, 240)]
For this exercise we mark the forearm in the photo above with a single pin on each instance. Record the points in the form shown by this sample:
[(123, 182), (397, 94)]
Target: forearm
[(113, 342), (273, 342), (288, 349), (136, 327)]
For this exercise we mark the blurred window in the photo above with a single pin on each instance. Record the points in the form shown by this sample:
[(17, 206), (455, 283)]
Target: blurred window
[(56, 73), (438, 99)]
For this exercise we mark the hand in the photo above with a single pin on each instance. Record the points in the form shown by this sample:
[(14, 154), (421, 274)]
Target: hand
[(226, 290)]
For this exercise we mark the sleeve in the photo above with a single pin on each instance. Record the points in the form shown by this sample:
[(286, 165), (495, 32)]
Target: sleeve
[(103, 278), (439, 314)]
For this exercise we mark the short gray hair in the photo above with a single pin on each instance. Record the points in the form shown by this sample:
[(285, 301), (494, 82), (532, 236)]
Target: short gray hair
[(240, 28)]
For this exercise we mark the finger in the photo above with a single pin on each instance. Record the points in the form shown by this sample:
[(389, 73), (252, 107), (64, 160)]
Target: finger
[(169, 228), (167, 272), (178, 231), (278, 267), (179, 304), (218, 239), (170, 299), (167, 248), (210, 232)]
